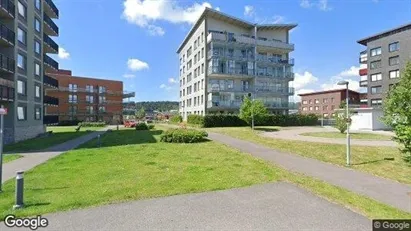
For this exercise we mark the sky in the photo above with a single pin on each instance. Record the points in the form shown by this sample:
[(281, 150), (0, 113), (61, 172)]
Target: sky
[(135, 41)]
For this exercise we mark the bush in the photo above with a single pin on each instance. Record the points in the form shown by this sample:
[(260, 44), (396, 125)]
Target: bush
[(341, 123), (210, 121), (69, 122), (151, 126), (176, 119), (92, 124), (179, 135), (142, 126), (195, 119)]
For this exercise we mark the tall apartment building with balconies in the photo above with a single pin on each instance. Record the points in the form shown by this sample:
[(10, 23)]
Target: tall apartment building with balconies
[(382, 62), (25, 27), (224, 58)]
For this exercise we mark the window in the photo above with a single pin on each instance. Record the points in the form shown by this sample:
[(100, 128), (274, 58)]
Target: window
[(89, 109), (102, 109), (394, 47), (394, 74), (325, 115), (394, 60), (311, 108), (21, 61), (332, 107), (72, 98), (375, 64), (202, 68), (102, 99), (317, 101), (325, 107), (376, 77), (37, 113), (73, 87), (376, 90), (37, 4), (37, 24), (21, 87), (375, 51), (37, 69), (101, 89), (89, 99), (325, 100), (72, 109), (21, 9), (21, 35), (37, 47), (202, 100), (316, 108), (202, 36), (376, 102), (305, 102), (21, 113), (310, 101), (89, 88), (202, 52), (332, 100), (37, 91), (304, 108)]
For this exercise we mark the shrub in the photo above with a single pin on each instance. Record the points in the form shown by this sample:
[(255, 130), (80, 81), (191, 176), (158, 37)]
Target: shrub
[(195, 119), (267, 120), (69, 122), (151, 126), (210, 121), (341, 123), (176, 119), (141, 126), (92, 124), (179, 135)]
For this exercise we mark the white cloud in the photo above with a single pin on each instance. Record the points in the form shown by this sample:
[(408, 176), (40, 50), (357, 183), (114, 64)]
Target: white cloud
[(353, 85), (249, 10), (162, 86), (278, 19), (352, 71), (144, 13), (305, 4), (323, 5), (217, 8), (63, 54), (302, 80), (136, 65), (297, 98), (172, 80), (129, 76)]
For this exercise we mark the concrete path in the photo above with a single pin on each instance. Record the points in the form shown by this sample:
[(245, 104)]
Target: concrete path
[(274, 206), (380, 189), (31, 160), (294, 134)]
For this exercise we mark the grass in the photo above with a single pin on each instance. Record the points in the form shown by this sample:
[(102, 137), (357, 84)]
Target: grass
[(363, 158), (360, 136), (10, 157), (59, 135)]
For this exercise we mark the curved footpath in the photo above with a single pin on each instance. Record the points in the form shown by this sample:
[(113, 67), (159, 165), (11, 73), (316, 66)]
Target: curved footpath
[(295, 134)]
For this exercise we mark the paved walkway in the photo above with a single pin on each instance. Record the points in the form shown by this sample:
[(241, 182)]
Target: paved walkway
[(380, 189), (294, 134), (273, 206), (31, 160)]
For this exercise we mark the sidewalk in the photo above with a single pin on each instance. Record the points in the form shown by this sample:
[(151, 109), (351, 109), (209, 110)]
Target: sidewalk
[(31, 160), (380, 189)]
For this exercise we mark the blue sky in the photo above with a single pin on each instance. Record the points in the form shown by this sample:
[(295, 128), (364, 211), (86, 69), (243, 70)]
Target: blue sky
[(135, 41)]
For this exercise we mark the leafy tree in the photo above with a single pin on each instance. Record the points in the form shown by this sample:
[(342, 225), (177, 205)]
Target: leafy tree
[(250, 107), (397, 111), (141, 113), (341, 122)]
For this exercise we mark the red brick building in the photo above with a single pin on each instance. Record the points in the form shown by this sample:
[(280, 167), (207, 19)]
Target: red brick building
[(86, 99), (323, 103)]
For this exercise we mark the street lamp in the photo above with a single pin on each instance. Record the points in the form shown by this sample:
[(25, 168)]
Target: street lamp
[(252, 110), (348, 119)]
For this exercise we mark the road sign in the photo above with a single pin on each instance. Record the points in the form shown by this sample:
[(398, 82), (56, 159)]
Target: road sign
[(3, 111)]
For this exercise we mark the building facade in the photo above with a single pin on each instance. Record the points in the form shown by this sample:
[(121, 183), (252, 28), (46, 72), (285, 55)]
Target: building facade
[(86, 99), (324, 103), (26, 27), (223, 58), (383, 61)]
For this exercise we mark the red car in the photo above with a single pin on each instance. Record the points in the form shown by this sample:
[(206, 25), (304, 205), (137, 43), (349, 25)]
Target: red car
[(129, 123)]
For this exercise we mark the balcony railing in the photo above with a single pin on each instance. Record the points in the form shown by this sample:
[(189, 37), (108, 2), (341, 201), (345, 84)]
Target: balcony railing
[(363, 83), (363, 71), (224, 104), (50, 62), (287, 105), (7, 64), (230, 56), (286, 76), (50, 42), (48, 100), (51, 82), (51, 24), (231, 71), (281, 90), (274, 60), (8, 6), (50, 119), (53, 7), (236, 89), (6, 34), (6, 92)]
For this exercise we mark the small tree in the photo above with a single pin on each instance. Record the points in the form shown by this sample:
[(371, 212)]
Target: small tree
[(141, 113), (341, 122), (252, 107), (397, 111)]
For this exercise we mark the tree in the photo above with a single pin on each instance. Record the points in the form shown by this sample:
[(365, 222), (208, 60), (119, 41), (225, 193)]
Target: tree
[(397, 111), (141, 113), (341, 122), (252, 107)]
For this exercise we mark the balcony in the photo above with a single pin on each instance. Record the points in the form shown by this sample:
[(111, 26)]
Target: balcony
[(7, 64), (229, 56), (49, 45), (50, 101), (274, 60), (288, 76), (279, 90), (7, 9), (233, 104), (363, 71), (50, 63), (236, 89), (363, 57), (50, 82), (239, 72), (6, 90), (363, 83), (50, 9), (281, 105), (50, 119), (7, 36), (50, 28)]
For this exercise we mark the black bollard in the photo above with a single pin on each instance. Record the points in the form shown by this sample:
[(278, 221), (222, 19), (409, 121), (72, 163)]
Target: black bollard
[(19, 190)]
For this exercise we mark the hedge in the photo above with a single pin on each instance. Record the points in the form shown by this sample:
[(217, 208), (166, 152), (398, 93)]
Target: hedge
[(69, 122), (92, 124), (176, 119), (142, 126), (195, 119), (179, 135), (289, 120), (223, 121)]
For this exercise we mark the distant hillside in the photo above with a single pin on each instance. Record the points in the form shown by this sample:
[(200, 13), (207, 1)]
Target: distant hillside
[(157, 105)]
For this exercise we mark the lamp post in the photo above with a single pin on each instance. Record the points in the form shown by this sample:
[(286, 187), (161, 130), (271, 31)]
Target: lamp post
[(347, 121)]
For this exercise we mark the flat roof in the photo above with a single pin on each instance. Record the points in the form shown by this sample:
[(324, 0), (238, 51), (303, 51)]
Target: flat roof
[(395, 30), (328, 91), (234, 20)]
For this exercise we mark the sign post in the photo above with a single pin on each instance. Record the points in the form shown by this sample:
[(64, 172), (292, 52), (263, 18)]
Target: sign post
[(3, 111)]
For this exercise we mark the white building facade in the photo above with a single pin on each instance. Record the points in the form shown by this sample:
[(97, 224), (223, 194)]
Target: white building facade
[(223, 58)]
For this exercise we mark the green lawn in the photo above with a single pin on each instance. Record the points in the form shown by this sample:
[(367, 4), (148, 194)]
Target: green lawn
[(59, 135), (360, 136), (367, 159), (10, 157), (133, 165)]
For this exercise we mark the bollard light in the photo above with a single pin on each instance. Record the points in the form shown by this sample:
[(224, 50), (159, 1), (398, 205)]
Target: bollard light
[(19, 190)]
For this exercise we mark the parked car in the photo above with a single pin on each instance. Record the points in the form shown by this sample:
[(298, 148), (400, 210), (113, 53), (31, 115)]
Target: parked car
[(129, 123)]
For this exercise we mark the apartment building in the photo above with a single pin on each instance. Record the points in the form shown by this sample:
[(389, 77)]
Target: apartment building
[(26, 27), (323, 103), (86, 99), (383, 60), (224, 58)]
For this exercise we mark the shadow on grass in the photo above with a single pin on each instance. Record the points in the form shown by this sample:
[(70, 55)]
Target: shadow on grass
[(47, 189), (28, 205), (374, 161), (267, 129)]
